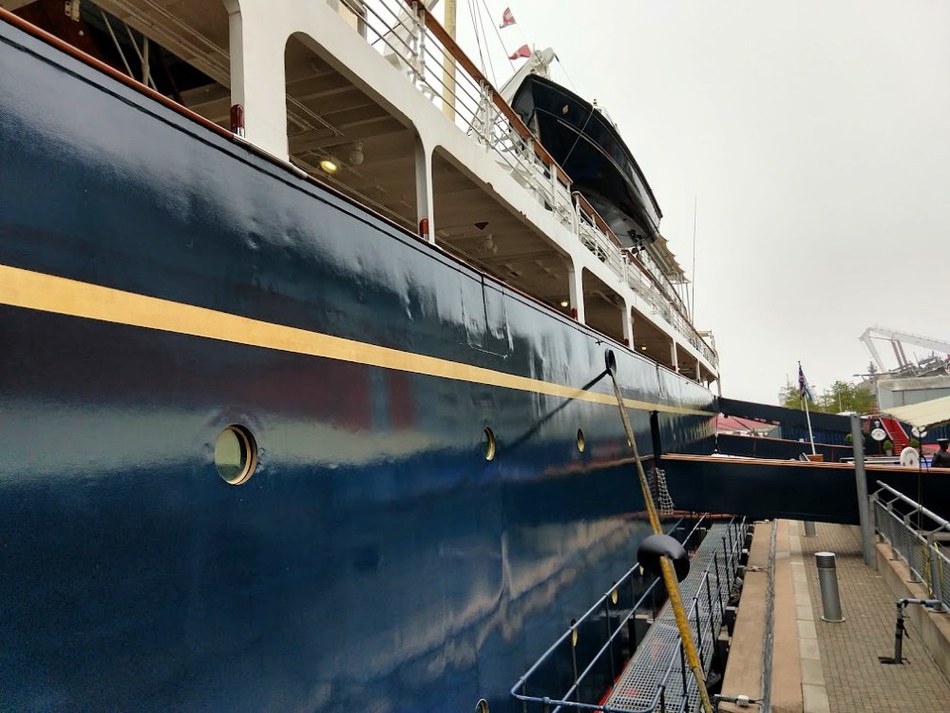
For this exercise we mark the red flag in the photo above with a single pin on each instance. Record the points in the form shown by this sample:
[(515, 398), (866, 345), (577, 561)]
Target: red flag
[(523, 51), (507, 18)]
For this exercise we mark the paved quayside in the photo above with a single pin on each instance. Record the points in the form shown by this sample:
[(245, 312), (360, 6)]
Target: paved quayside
[(836, 669)]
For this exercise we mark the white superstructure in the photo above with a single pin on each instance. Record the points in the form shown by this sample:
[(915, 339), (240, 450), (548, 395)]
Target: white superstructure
[(355, 93)]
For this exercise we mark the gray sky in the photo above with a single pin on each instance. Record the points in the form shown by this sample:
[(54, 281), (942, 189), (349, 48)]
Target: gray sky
[(816, 139)]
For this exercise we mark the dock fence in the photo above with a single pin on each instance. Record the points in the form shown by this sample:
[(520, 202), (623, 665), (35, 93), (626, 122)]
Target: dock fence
[(917, 535)]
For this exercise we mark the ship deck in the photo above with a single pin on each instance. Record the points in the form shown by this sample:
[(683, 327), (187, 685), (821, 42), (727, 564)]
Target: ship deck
[(348, 96), (825, 667)]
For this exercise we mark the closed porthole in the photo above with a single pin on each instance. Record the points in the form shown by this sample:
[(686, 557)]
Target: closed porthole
[(482, 706), (581, 442), (235, 455), (489, 444)]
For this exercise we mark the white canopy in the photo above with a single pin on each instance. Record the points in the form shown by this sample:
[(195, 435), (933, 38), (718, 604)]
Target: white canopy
[(924, 414)]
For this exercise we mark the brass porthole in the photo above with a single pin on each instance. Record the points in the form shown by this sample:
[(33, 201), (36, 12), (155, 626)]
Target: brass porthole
[(581, 442), (489, 444), (482, 706), (235, 455)]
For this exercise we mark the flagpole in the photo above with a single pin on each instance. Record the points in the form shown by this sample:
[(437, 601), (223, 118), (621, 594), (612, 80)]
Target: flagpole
[(811, 436), (804, 393)]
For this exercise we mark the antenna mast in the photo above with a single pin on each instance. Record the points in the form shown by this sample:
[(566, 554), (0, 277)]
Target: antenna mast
[(692, 298)]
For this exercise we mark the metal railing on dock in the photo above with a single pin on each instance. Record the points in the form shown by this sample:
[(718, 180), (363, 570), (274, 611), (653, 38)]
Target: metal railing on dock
[(920, 537), (604, 662)]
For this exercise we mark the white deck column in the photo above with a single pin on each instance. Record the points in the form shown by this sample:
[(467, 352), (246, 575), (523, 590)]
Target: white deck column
[(425, 204), (628, 324), (674, 357), (575, 278), (258, 80)]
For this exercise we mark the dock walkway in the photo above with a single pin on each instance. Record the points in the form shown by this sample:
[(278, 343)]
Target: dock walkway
[(849, 672), (837, 669)]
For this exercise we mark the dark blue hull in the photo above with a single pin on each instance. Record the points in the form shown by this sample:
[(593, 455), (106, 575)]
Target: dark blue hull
[(375, 559)]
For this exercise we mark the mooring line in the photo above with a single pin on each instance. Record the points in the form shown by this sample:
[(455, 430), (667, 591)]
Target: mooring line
[(666, 566)]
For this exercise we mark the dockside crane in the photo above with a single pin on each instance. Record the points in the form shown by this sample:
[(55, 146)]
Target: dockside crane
[(897, 340)]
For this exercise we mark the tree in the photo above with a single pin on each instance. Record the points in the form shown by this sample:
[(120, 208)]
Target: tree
[(842, 396), (788, 397), (846, 396)]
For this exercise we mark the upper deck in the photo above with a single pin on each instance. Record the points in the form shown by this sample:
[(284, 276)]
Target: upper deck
[(377, 100)]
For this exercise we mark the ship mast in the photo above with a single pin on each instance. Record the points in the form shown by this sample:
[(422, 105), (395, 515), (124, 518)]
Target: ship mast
[(448, 66)]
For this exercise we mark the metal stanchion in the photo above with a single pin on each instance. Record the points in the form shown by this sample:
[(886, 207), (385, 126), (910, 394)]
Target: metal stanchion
[(828, 582), (898, 657), (867, 527)]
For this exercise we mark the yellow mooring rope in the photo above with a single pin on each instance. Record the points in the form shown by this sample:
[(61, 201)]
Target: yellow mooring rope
[(666, 566)]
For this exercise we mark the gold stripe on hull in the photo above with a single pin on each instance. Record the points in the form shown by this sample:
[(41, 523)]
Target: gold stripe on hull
[(48, 293)]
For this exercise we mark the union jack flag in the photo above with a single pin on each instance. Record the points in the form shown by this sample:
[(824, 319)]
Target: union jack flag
[(804, 390)]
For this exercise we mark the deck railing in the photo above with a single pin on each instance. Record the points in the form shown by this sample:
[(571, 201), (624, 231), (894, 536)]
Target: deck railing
[(411, 38), (590, 655)]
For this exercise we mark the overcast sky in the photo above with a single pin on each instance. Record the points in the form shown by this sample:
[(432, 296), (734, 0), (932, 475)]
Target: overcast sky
[(815, 137)]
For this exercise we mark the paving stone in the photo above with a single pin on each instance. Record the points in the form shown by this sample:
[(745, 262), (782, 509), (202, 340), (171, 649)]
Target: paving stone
[(812, 672), (815, 699), (855, 681), (808, 648), (806, 630)]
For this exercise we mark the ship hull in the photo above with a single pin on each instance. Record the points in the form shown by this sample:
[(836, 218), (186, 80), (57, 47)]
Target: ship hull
[(159, 283)]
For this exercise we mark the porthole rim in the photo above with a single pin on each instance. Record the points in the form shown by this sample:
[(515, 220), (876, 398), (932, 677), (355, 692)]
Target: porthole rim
[(249, 443), (491, 444)]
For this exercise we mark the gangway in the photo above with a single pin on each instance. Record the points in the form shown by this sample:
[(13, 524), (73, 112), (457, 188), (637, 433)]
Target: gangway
[(657, 673), (585, 668), (763, 488)]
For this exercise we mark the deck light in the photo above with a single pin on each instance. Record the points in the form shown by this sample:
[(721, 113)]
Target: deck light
[(356, 155), (564, 303), (330, 166), (643, 348)]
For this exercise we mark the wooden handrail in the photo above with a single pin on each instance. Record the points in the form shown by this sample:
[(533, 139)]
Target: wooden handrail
[(451, 46), (183, 111), (76, 53), (673, 304), (585, 205), (52, 40)]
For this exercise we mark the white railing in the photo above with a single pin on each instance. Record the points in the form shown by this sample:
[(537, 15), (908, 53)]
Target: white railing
[(408, 35)]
